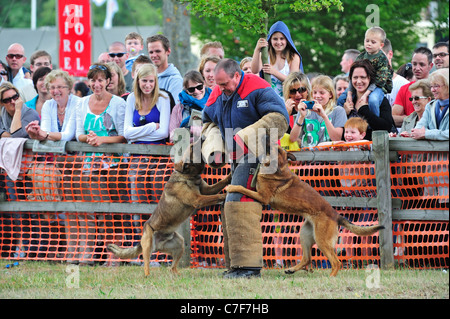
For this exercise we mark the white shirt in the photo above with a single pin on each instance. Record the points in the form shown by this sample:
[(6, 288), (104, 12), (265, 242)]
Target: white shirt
[(49, 117), (147, 132), (19, 80)]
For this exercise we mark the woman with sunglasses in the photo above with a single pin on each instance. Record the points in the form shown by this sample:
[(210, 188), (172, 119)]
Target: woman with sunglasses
[(192, 100), (14, 114), (58, 113), (420, 96), (296, 89), (434, 123)]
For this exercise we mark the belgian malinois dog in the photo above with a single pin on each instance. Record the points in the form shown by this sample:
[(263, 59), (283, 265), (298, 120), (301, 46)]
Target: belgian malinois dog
[(184, 193), (285, 192)]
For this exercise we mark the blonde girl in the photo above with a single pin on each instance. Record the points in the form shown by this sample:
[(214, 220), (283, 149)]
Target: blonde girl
[(147, 113)]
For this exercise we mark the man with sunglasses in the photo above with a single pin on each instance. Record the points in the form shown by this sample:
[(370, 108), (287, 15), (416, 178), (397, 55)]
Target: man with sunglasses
[(118, 53), (15, 58), (441, 55)]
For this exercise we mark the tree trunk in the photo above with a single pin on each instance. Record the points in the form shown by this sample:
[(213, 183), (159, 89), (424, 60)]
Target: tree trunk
[(177, 28), (264, 51)]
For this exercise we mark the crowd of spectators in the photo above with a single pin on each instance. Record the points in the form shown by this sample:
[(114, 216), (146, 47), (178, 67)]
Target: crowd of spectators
[(129, 97)]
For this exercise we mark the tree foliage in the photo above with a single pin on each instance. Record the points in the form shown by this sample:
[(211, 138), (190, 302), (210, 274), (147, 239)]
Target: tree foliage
[(321, 36), (251, 14)]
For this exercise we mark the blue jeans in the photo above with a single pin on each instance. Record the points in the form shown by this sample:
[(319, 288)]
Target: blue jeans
[(375, 99)]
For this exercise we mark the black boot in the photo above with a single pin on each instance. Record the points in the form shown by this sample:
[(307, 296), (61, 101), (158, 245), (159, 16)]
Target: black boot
[(243, 273)]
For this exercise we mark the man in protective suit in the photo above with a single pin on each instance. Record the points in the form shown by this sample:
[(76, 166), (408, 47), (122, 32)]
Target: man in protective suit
[(241, 112)]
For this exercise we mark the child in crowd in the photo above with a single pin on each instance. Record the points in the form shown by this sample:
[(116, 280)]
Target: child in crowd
[(373, 42), (355, 130), (283, 56), (135, 44), (246, 65)]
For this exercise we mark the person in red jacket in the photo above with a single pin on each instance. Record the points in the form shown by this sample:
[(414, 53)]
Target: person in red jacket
[(240, 108)]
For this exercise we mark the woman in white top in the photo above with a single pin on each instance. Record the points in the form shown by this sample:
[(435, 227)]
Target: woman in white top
[(58, 113), (147, 112), (147, 119)]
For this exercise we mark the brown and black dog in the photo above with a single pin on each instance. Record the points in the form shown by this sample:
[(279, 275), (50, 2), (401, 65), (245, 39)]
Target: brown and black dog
[(285, 192), (184, 193)]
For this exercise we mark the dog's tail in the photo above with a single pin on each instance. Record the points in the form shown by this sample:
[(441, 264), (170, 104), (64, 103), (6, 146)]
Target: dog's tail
[(125, 253), (358, 230)]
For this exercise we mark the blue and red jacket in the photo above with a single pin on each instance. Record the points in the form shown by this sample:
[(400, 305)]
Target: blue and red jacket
[(252, 99)]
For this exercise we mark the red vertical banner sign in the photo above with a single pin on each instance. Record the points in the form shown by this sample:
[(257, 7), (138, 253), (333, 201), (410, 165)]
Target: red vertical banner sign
[(74, 24)]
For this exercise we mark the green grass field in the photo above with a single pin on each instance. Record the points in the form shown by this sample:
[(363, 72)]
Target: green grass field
[(49, 280)]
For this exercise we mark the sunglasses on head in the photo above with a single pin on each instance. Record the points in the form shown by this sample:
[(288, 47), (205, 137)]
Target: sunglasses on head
[(119, 55), (3, 72), (300, 90), (417, 98), (96, 66), (9, 99), (192, 89), (17, 56)]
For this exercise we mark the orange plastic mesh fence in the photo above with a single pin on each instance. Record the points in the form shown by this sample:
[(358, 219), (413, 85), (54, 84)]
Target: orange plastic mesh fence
[(82, 236), (421, 244), (420, 179)]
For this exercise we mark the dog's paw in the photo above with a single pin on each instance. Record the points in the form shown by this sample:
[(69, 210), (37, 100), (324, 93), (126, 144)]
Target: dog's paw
[(289, 271), (231, 189), (112, 248)]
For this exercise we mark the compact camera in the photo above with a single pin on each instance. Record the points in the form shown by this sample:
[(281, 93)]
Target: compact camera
[(309, 104)]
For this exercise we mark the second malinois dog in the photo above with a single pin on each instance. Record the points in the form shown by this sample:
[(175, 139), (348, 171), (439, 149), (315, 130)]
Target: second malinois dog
[(184, 193), (285, 192)]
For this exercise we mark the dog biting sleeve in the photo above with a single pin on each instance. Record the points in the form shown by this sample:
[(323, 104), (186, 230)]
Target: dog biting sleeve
[(254, 136)]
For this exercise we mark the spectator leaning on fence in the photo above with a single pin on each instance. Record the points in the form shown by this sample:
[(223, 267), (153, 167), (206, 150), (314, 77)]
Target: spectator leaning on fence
[(58, 115), (148, 109), (434, 123), (100, 116)]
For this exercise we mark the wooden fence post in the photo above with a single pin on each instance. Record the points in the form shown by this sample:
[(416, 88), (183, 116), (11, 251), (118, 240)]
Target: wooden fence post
[(380, 140)]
